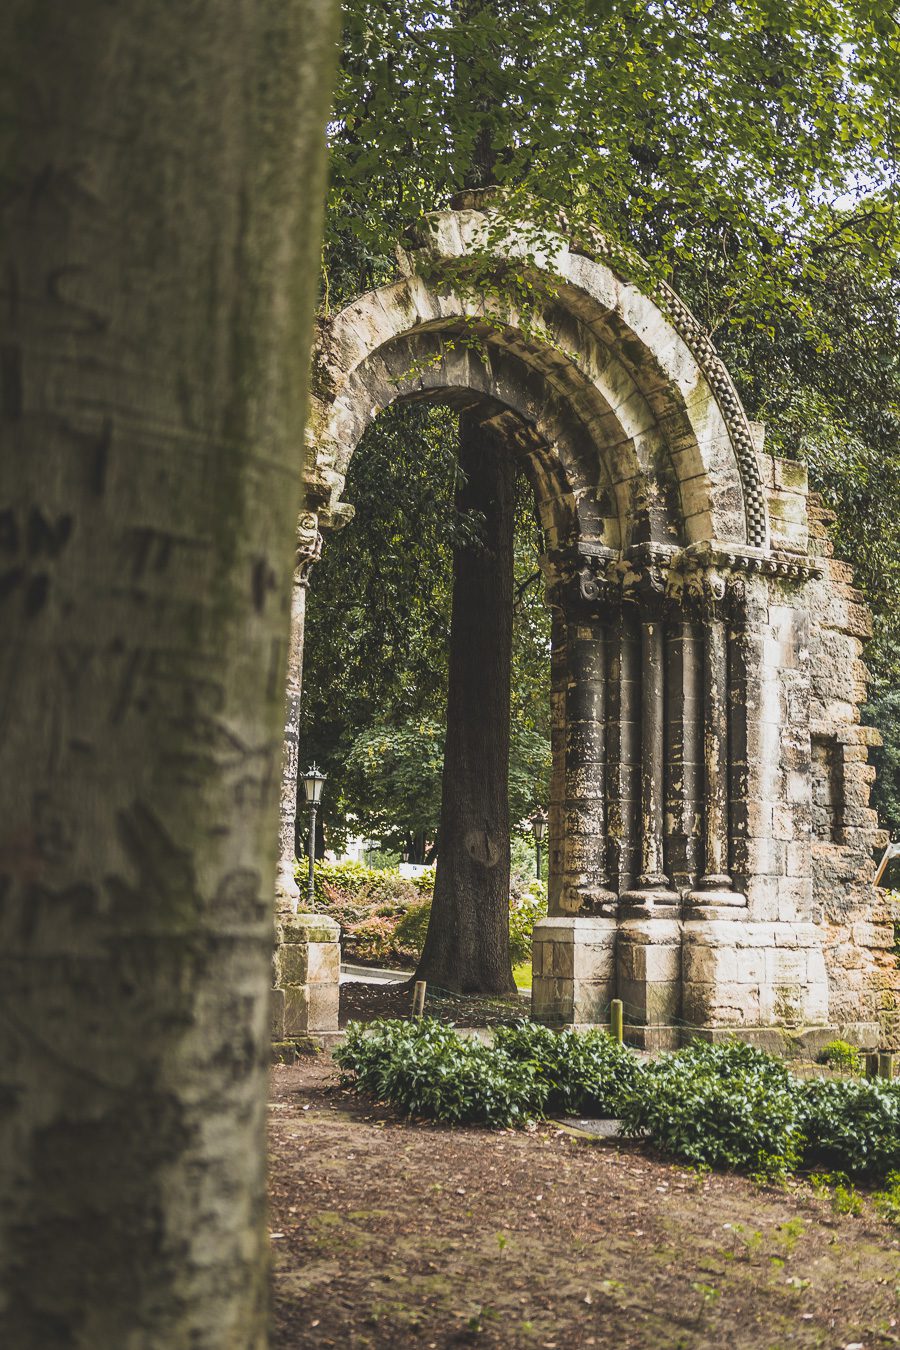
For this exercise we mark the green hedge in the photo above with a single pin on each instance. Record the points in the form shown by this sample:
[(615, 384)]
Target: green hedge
[(384, 916), (727, 1106)]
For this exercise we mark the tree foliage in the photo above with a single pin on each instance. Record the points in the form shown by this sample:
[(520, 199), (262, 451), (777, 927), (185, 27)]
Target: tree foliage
[(747, 151), (768, 128)]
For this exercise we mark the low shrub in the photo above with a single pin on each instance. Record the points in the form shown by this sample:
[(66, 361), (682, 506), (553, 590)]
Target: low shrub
[(425, 1069), (524, 912), (384, 916), (887, 1201), (584, 1072), (841, 1055), (850, 1125), (728, 1106)]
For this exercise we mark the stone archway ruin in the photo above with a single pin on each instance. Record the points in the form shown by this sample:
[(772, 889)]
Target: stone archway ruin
[(710, 832)]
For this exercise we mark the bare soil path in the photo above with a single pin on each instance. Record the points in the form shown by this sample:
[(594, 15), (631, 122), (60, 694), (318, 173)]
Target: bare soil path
[(390, 1234)]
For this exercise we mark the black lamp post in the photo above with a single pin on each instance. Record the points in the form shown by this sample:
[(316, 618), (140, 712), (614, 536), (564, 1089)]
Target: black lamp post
[(538, 824), (313, 782)]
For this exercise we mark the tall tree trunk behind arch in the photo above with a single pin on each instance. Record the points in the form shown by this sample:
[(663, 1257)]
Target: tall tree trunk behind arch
[(467, 944), (159, 220)]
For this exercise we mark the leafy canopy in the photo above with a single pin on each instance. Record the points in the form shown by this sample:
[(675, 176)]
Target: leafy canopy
[(768, 127)]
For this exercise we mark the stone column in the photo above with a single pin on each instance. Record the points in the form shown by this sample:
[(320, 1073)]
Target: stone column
[(648, 953), (572, 959), (623, 773), (585, 887), (307, 959), (653, 890), (715, 887), (309, 549), (684, 749)]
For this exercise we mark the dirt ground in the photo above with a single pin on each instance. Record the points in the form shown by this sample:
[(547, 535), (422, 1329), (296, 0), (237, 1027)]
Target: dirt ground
[(391, 1234), (361, 1002)]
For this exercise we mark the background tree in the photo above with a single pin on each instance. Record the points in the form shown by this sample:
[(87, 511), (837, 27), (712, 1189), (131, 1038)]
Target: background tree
[(747, 151), (377, 648), (161, 169)]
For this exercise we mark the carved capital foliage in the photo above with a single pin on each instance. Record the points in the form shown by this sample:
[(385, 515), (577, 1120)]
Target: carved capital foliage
[(703, 580), (308, 546)]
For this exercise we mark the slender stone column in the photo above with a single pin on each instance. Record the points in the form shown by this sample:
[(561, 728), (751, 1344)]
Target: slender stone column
[(573, 957), (715, 886), (309, 548), (556, 822), (623, 774), (585, 886), (684, 750), (653, 888), (648, 945)]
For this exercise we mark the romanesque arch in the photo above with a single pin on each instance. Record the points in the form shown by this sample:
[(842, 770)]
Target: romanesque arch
[(695, 734)]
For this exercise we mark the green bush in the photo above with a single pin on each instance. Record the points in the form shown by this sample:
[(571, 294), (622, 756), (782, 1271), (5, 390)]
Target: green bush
[(726, 1106), (852, 1126), (585, 1073), (841, 1055), (887, 1201), (729, 1106), (524, 913), (384, 916), (424, 1068)]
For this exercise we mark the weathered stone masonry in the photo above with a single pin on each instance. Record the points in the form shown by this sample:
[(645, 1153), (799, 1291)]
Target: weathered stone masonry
[(710, 832)]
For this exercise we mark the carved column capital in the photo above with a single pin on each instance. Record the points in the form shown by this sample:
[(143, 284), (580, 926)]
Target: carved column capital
[(705, 589), (646, 570), (582, 581), (308, 546)]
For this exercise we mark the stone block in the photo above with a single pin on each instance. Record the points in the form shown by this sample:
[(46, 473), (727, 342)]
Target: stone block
[(310, 1009), (791, 476), (750, 966), (292, 964), (293, 928), (324, 963), (296, 1010), (593, 961), (709, 965), (276, 1003), (786, 965)]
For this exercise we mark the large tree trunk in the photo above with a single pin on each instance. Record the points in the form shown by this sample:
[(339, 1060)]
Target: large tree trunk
[(159, 212), (467, 945)]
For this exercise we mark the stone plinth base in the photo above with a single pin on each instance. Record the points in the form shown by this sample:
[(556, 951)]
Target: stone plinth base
[(648, 965), (573, 970), (738, 974), (307, 972), (801, 1043)]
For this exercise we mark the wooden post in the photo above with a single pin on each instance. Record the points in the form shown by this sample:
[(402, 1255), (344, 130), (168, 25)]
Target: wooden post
[(418, 1006)]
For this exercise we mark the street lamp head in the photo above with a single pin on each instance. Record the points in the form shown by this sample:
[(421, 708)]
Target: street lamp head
[(538, 823), (313, 782)]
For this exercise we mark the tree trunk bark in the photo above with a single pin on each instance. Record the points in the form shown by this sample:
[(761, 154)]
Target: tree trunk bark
[(467, 944), (159, 222)]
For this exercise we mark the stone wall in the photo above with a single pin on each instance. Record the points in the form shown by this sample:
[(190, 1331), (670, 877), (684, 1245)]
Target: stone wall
[(857, 920)]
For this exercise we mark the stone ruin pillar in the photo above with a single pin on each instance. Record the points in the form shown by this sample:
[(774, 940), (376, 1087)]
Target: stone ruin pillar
[(307, 960), (648, 957), (710, 832), (573, 952)]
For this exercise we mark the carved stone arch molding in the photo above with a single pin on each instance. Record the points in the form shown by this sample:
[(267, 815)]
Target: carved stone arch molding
[(705, 644), (624, 391)]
